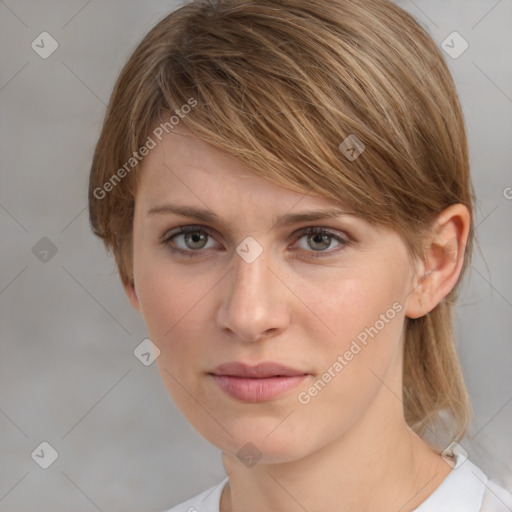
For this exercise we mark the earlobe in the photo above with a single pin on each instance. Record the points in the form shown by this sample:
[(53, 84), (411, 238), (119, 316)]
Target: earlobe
[(131, 293), (443, 261)]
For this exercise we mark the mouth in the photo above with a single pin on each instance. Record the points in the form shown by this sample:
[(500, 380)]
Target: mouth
[(258, 383)]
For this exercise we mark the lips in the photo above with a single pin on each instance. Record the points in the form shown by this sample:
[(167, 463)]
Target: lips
[(261, 370), (258, 383)]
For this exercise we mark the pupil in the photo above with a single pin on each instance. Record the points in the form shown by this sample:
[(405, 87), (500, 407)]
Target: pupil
[(323, 240), (196, 238)]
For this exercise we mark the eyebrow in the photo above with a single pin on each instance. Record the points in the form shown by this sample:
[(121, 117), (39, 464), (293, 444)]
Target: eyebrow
[(284, 220)]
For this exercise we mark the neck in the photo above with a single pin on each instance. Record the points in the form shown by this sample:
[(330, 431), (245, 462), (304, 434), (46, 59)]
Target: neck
[(381, 464)]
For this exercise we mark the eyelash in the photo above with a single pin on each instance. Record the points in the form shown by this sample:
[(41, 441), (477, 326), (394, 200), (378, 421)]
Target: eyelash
[(311, 230)]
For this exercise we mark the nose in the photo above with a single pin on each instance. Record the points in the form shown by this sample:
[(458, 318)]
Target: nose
[(255, 303)]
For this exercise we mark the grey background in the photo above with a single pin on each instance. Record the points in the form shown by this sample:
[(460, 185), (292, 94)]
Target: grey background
[(68, 374)]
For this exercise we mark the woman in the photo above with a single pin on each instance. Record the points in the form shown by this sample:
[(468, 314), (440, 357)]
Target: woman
[(285, 187)]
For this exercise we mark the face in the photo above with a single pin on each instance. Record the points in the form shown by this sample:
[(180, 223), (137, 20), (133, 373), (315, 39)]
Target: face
[(261, 280)]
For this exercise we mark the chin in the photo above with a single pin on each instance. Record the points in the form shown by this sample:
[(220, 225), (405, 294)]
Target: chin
[(258, 439), (263, 451)]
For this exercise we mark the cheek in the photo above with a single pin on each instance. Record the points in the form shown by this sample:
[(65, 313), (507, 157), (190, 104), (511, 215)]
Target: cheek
[(175, 311), (365, 313), (353, 306), (356, 341)]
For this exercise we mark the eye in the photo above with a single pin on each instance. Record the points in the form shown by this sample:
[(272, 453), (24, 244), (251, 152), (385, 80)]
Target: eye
[(187, 240), (319, 239)]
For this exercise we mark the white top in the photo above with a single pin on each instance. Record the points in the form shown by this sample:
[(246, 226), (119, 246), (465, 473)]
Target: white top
[(465, 489)]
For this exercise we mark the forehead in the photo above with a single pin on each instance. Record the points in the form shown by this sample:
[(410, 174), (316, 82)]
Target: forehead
[(182, 167)]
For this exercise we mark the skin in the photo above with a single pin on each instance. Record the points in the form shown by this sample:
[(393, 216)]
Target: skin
[(349, 448)]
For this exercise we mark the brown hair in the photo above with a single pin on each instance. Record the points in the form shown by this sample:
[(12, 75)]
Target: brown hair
[(280, 84)]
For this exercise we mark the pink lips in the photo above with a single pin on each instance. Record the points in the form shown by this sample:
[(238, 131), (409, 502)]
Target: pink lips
[(257, 383)]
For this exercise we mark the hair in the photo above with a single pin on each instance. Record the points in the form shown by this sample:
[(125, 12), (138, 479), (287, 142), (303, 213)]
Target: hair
[(280, 84)]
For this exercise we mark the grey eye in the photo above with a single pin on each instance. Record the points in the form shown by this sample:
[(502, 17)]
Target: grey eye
[(195, 240), (319, 241)]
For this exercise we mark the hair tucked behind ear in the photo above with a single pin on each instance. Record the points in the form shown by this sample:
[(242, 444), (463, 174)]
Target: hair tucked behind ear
[(280, 84)]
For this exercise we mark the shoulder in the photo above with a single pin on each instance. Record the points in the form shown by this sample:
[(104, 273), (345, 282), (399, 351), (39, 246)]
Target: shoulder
[(467, 489), (496, 498), (207, 501)]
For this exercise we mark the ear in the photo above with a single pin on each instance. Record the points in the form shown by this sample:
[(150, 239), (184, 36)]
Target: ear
[(439, 271), (129, 288)]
